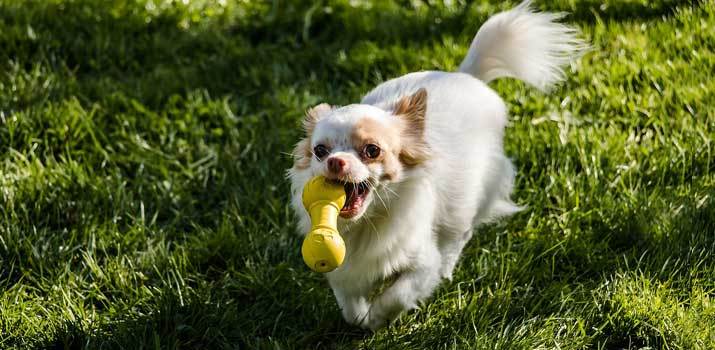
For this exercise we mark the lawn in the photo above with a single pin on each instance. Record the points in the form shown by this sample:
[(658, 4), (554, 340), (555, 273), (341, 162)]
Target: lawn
[(143, 199)]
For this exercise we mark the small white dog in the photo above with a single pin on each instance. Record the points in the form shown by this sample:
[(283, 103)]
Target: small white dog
[(422, 161)]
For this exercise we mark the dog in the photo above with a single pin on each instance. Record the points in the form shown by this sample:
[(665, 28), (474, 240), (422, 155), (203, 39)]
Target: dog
[(422, 162)]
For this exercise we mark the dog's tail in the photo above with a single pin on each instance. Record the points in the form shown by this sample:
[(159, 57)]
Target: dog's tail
[(523, 44)]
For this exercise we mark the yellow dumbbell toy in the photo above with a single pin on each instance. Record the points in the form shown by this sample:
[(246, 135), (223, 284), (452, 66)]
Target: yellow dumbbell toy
[(323, 249)]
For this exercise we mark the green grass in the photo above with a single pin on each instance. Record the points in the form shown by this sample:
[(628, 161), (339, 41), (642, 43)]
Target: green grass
[(143, 202)]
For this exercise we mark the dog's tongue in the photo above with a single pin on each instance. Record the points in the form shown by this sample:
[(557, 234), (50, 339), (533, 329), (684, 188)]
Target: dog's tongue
[(355, 194), (351, 195)]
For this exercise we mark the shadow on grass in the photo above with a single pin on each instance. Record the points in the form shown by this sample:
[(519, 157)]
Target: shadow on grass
[(211, 319), (563, 277), (284, 305), (150, 57)]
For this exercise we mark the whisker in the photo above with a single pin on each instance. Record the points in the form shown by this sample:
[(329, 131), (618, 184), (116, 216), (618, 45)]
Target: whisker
[(387, 188), (384, 205), (373, 185), (377, 233)]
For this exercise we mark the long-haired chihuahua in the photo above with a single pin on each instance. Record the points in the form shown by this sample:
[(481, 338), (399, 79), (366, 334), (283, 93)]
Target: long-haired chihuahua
[(422, 161)]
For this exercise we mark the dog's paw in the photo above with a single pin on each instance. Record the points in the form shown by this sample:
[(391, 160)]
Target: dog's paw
[(446, 275), (356, 317), (361, 321), (381, 316), (374, 322)]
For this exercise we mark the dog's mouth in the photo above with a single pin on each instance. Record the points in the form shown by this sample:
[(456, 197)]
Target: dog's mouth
[(356, 194)]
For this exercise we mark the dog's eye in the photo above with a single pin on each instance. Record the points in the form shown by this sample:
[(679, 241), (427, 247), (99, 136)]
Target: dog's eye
[(372, 151), (320, 151)]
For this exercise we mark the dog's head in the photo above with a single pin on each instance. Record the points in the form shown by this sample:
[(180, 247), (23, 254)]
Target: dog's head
[(363, 147)]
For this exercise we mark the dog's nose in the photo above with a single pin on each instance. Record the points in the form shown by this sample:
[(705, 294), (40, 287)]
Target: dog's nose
[(337, 166)]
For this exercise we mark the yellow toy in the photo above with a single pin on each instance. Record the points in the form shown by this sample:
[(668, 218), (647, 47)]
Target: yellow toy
[(323, 249)]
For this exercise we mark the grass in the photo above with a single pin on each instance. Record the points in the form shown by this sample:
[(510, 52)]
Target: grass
[(143, 205)]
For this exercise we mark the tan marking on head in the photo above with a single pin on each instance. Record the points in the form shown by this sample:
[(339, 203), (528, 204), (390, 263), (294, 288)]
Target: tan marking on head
[(302, 153), (370, 131), (387, 137), (412, 110)]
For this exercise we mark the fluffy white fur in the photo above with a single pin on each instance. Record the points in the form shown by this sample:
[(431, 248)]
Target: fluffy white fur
[(412, 229)]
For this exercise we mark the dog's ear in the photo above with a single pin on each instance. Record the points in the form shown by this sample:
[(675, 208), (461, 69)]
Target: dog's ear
[(412, 110), (313, 115)]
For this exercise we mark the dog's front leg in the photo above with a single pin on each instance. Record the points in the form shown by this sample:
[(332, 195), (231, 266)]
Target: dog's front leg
[(353, 306), (418, 274), (410, 288)]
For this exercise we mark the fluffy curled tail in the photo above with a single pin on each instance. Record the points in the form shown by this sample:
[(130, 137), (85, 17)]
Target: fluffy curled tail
[(523, 44)]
